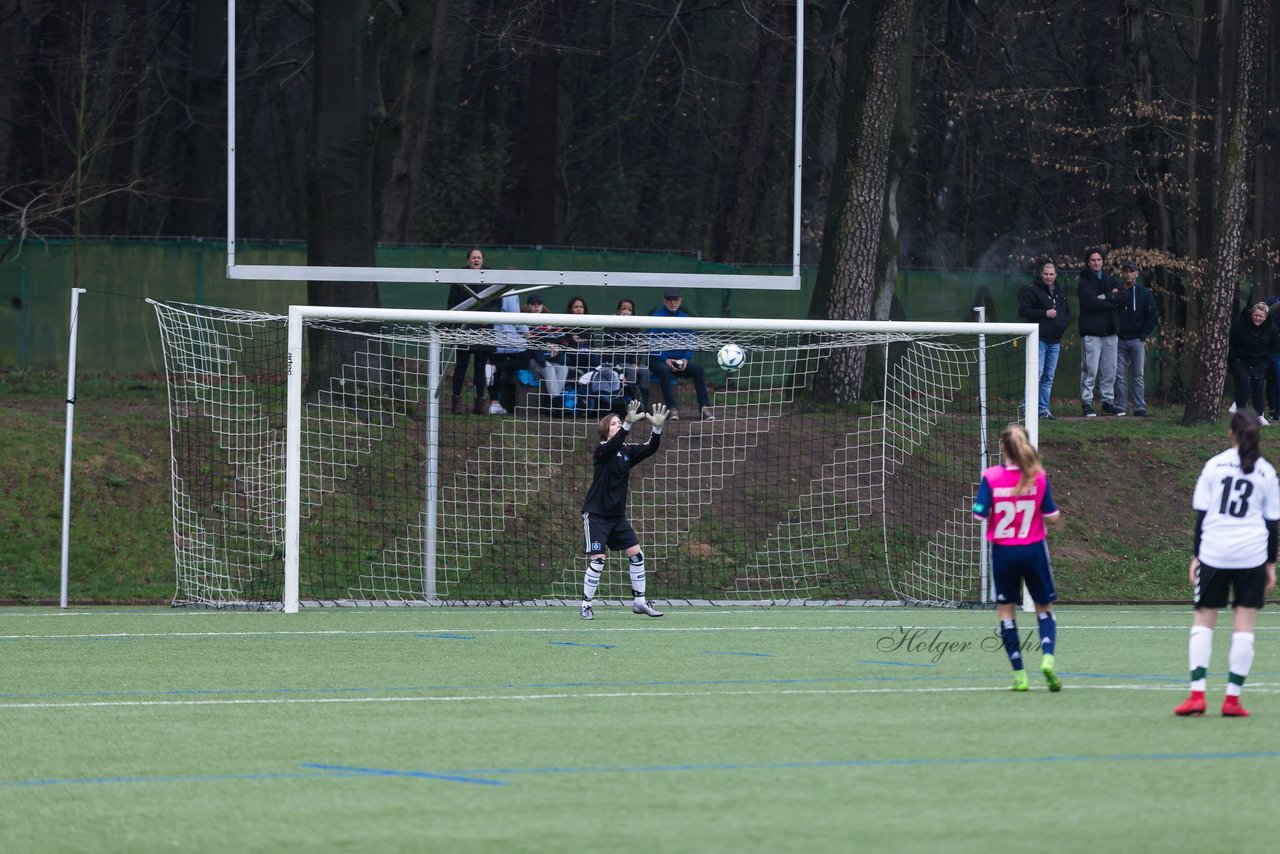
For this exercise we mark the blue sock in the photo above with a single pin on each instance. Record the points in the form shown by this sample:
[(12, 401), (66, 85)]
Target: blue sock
[(1009, 634), (1048, 632)]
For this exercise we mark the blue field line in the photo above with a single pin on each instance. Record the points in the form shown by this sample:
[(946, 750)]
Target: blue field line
[(895, 663), (348, 770), (524, 686), (444, 636), (749, 654), (870, 763), (575, 643), (484, 776)]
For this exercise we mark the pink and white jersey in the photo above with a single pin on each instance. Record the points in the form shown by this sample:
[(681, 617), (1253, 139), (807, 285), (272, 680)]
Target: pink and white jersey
[(1012, 519)]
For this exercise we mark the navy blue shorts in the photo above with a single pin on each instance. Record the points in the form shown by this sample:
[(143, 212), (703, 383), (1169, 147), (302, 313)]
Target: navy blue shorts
[(1012, 566), (613, 532)]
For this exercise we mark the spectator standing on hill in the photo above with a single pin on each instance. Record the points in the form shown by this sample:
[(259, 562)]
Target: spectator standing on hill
[(1043, 302), (1237, 504), (1015, 499), (673, 358), (1099, 294), (1137, 319), (1254, 341), (477, 352)]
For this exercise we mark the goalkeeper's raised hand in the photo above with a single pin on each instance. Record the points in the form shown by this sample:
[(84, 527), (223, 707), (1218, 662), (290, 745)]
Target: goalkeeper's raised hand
[(658, 416), (633, 412)]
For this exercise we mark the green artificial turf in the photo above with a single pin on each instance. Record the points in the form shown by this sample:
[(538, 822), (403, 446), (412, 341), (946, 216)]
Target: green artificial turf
[(733, 729)]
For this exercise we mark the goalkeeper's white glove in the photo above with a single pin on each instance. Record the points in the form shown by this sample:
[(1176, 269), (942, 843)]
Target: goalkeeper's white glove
[(633, 412), (658, 416)]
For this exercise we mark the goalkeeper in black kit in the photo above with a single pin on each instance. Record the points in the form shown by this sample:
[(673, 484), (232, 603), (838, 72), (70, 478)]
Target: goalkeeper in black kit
[(604, 520)]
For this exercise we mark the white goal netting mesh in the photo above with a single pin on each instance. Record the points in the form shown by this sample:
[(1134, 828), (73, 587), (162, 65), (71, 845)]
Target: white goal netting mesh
[(408, 495)]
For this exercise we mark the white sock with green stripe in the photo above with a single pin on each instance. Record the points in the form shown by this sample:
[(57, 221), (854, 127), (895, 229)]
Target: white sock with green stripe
[(1239, 662), (1199, 651)]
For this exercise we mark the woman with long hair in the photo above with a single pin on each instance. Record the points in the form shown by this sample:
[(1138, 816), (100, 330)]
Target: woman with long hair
[(1015, 500), (1237, 504)]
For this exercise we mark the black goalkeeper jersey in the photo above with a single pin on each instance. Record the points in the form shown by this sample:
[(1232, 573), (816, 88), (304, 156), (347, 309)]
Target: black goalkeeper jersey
[(614, 459)]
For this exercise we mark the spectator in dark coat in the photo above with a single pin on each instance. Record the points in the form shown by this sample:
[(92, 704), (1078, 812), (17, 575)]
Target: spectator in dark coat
[(1099, 294), (1137, 317), (1043, 302), (1254, 340)]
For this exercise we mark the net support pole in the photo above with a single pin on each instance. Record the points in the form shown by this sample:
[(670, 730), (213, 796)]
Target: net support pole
[(434, 382), (293, 462), (984, 568), (66, 461), (798, 143)]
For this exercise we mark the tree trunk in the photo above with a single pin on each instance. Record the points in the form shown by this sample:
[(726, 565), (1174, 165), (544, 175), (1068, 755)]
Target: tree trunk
[(1204, 402), (421, 56), (347, 113), (540, 209), (852, 266), (735, 230)]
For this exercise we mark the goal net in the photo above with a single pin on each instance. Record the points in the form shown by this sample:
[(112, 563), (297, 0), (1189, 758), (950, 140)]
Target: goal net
[(362, 483)]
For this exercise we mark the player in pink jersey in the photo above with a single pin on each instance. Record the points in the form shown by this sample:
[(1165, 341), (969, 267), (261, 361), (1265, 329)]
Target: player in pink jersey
[(1015, 500)]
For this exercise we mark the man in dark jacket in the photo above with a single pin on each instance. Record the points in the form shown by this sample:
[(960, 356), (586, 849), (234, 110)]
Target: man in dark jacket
[(1043, 302), (1099, 294), (1137, 319)]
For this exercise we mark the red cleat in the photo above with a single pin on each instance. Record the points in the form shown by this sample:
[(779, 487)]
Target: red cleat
[(1193, 706), (1231, 708)]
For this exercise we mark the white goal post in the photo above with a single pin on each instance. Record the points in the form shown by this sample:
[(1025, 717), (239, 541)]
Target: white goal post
[(370, 482)]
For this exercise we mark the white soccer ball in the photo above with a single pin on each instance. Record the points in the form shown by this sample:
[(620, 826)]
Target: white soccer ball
[(731, 357)]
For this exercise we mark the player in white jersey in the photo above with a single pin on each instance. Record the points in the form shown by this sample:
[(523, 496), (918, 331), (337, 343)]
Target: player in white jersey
[(1237, 504)]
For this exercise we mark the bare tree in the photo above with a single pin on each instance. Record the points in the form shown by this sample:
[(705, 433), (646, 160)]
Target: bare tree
[(348, 113), (1222, 272), (851, 272)]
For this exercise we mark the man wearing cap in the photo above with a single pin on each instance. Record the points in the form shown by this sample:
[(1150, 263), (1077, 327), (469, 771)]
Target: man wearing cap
[(672, 357), (1137, 315)]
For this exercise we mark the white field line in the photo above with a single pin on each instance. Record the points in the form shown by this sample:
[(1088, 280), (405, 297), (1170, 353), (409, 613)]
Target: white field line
[(1262, 688), (648, 628)]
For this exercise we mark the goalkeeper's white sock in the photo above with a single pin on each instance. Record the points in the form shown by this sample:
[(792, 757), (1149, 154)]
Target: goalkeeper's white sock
[(592, 579), (637, 576), (1199, 651), (1239, 661)]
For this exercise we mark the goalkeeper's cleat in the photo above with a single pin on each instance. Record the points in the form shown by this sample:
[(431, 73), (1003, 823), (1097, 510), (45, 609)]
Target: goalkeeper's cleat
[(1019, 681), (1193, 706), (1050, 675), (644, 607), (1231, 708), (586, 614)]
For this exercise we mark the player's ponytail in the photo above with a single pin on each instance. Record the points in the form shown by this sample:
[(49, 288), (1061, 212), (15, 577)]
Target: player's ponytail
[(1247, 433), (1016, 446)]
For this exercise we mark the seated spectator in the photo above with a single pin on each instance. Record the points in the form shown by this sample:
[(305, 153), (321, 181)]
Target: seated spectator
[(509, 357), (622, 353), (673, 358), (546, 358), (577, 343), (1253, 341)]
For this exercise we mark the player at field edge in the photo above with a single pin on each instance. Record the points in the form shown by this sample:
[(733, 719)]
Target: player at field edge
[(1237, 504), (604, 520), (1015, 499)]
